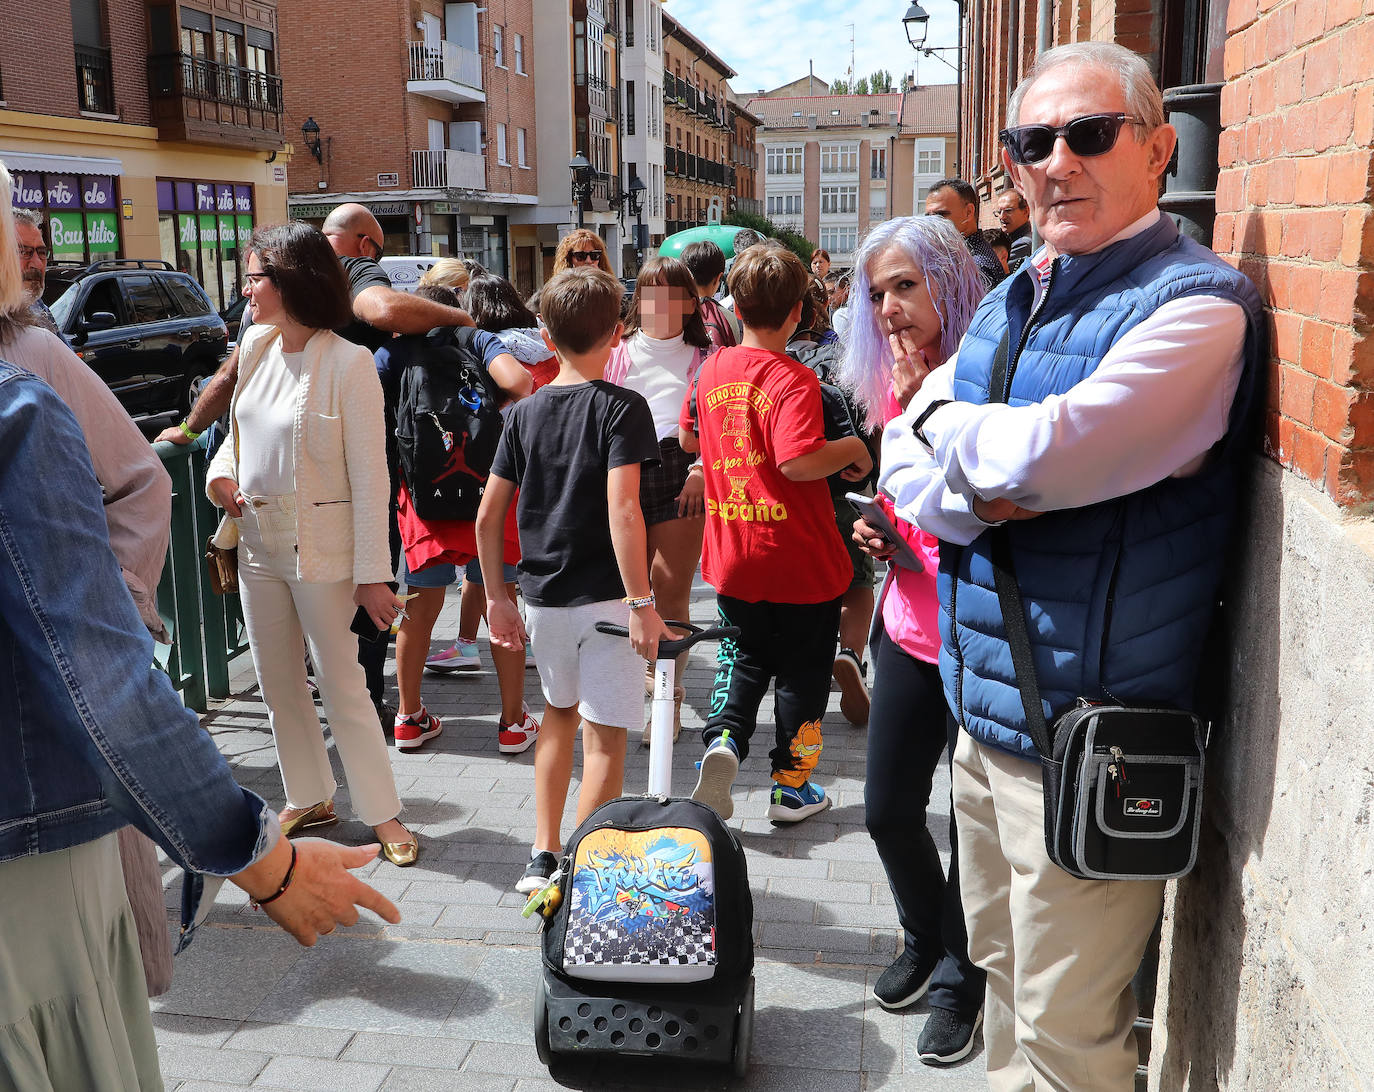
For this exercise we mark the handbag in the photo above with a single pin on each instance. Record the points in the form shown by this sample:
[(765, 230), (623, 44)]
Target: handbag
[(1122, 784), (224, 567), (222, 548)]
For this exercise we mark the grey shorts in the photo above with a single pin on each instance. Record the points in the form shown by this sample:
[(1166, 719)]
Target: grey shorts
[(599, 674)]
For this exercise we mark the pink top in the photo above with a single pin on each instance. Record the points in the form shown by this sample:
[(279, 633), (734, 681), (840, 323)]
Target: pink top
[(910, 605)]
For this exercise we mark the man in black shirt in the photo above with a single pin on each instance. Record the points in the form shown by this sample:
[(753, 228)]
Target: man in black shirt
[(957, 202), (1013, 214)]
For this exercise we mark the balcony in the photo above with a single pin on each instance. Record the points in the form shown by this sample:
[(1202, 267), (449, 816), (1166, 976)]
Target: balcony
[(446, 169), (445, 71), (202, 101), (94, 85)]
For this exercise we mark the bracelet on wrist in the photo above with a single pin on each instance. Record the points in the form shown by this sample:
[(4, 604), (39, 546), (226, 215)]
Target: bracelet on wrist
[(258, 904), (637, 602), (186, 431)]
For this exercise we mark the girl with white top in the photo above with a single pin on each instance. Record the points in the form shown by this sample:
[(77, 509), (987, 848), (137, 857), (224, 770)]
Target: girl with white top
[(664, 345), (303, 477)]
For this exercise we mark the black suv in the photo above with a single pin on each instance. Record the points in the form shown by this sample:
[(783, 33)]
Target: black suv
[(150, 332)]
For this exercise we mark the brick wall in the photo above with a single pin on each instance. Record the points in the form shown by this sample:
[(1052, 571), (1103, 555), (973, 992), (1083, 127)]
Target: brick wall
[(349, 75), (1294, 213), (126, 30), (34, 80)]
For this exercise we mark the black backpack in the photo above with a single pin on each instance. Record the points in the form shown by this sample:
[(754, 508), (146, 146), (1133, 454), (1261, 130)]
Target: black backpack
[(447, 423), (653, 890)]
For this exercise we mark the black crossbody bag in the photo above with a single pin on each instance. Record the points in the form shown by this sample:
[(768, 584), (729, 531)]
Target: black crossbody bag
[(1122, 785)]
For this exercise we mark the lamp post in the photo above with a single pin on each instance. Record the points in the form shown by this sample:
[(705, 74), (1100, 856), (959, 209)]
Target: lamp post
[(581, 186), (916, 21), (636, 196)]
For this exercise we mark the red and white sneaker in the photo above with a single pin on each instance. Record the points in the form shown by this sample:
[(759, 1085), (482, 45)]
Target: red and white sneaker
[(416, 729), (511, 739)]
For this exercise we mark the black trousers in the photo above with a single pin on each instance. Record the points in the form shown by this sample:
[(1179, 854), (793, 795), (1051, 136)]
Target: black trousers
[(909, 732), (792, 644), (372, 654)]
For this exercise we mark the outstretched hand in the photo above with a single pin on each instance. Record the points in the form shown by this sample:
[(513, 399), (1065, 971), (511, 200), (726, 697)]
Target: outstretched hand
[(323, 893)]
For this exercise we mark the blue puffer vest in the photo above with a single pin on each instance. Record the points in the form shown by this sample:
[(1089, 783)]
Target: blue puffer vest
[(1119, 595)]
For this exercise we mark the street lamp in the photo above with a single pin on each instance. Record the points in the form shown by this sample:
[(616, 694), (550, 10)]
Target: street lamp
[(310, 133), (581, 186), (636, 195), (916, 23)]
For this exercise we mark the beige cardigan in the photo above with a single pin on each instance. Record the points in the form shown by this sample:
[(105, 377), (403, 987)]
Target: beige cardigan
[(339, 440)]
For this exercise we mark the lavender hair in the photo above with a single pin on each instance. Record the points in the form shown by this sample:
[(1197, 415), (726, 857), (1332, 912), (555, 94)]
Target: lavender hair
[(955, 286)]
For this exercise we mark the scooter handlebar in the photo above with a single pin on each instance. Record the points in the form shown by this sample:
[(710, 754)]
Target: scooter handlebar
[(669, 649)]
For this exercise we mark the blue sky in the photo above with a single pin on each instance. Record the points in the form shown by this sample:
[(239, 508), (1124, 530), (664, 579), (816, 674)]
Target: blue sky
[(771, 42)]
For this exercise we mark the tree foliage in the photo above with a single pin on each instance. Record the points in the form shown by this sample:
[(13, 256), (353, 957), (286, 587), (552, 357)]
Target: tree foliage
[(861, 87), (797, 244), (839, 87), (880, 82)]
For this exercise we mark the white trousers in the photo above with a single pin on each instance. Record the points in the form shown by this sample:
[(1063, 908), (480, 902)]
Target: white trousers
[(280, 612), (1060, 952)]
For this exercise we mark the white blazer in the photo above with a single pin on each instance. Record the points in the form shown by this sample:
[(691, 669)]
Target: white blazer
[(339, 439)]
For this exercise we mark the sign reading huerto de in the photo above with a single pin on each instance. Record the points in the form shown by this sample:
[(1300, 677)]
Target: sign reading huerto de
[(391, 178)]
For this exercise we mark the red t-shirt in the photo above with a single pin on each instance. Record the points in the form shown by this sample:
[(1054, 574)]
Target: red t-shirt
[(767, 539)]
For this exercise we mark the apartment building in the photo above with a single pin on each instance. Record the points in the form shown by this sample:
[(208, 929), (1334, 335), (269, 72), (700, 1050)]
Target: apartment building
[(744, 156), (697, 129), (833, 165), (145, 128), (423, 111), (642, 143), (577, 55)]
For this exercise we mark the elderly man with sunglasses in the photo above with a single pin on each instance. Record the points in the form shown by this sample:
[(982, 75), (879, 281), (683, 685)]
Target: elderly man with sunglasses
[(1111, 447)]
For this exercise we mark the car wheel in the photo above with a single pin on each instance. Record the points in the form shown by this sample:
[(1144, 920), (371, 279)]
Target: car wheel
[(195, 384)]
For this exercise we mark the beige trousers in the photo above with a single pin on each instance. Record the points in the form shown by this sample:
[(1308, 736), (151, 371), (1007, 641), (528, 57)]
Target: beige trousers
[(1060, 952)]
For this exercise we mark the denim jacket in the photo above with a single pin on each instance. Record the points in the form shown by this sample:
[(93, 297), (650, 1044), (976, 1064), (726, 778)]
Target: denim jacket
[(92, 736)]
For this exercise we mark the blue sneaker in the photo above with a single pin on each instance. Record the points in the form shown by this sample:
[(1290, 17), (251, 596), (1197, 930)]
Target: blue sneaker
[(789, 805), (718, 767)]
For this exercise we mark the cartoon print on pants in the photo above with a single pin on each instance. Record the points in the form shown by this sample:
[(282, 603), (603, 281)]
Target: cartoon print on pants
[(806, 753)]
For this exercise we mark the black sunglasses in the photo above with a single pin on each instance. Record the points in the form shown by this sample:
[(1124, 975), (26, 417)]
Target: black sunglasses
[(376, 245), (584, 255), (1092, 134)]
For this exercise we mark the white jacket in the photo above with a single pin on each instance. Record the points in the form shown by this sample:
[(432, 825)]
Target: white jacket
[(339, 440)]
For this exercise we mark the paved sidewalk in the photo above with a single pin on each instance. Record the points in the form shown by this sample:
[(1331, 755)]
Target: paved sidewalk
[(443, 1000)]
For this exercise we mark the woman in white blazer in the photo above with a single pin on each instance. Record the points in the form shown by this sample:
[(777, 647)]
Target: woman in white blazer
[(303, 479)]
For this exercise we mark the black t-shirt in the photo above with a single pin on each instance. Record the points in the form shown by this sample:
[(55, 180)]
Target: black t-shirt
[(985, 259), (558, 447), (363, 273)]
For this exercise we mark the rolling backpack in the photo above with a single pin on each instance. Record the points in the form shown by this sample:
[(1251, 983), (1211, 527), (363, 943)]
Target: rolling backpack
[(448, 423), (656, 891)]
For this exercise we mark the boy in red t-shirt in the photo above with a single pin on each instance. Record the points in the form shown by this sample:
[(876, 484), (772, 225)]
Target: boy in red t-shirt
[(772, 550)]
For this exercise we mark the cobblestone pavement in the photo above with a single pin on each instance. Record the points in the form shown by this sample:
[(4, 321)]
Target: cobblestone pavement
[(443, 1000)]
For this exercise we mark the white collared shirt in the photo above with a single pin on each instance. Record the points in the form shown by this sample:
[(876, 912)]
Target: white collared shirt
[(1154, 407)]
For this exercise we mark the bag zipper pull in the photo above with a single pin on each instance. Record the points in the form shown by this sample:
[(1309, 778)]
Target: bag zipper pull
[(1117, 770)]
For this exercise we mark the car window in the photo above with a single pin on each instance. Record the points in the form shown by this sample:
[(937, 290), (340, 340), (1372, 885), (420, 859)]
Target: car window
[(104, 295), (187, 295), (146, 299)]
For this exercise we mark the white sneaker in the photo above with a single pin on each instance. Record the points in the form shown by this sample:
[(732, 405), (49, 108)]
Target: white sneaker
[(460, 656)]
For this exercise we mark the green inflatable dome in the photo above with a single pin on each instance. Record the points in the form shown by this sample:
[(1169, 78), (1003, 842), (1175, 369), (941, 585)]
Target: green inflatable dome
[(723, 235)]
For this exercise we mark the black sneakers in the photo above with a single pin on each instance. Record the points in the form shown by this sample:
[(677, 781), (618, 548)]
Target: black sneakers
[(905, 981), (947, 1037), (542, 865)]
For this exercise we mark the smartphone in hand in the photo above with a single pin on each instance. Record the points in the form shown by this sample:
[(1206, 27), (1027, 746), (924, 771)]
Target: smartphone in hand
[(876, 517)]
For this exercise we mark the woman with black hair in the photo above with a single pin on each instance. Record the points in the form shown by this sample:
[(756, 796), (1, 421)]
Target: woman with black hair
[(303, 480)]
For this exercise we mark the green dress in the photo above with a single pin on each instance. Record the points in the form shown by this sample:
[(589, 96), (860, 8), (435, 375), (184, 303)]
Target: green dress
[(73, 1003)]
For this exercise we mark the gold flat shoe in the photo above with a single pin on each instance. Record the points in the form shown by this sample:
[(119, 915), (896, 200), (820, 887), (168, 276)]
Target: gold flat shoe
[(402, 854), (321, 815)]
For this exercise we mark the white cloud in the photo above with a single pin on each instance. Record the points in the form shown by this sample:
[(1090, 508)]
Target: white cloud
[(773, 42)]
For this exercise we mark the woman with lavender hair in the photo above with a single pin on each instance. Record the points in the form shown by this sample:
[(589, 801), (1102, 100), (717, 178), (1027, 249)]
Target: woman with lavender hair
[(915, 290)]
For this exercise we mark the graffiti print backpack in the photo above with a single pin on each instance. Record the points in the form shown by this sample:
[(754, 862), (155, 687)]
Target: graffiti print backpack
[(654, 890), (448, 424)]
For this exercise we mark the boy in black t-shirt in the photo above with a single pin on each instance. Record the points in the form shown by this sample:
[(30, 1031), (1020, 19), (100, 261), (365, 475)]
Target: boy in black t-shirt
[(574, 449)]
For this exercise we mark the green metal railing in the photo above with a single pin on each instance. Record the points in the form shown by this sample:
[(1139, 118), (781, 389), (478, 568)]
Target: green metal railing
[(206, 629)]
